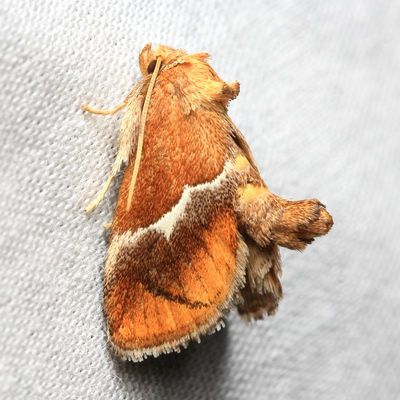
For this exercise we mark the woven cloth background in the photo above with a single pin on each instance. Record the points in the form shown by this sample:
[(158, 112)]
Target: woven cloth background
[(320, 107)]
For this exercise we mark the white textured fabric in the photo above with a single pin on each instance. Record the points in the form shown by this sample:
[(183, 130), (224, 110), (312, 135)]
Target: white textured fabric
[(320, 106)]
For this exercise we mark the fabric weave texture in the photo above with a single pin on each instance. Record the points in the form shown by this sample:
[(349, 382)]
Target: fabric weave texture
[(319, 105)]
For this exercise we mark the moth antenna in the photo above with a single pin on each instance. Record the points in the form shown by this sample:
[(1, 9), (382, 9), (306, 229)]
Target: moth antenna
[(141, 133)]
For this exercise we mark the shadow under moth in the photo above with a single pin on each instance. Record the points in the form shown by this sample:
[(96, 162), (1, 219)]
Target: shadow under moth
[(196, 230)]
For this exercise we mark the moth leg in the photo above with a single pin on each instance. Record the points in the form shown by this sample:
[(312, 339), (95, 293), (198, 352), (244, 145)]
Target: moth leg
[(268, 218), (256, 305), (127, 137), (100, 195), (118, 161), (300, 222), (111, 111), (263, 290), (107, 225)]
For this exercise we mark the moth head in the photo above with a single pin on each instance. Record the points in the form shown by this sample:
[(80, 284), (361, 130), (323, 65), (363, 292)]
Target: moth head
[(148, 57), (189, 75)]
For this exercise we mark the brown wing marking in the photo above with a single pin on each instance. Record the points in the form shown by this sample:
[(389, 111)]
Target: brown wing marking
[(152, 321)]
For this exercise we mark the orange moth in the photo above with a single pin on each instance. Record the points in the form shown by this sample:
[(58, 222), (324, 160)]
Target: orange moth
[(196, 230)]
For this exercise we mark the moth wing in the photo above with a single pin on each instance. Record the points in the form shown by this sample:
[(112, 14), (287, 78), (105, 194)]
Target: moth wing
[(172, 281), (243, 147)]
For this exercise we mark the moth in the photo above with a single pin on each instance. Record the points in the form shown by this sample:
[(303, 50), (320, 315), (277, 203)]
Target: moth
[(196, 231)]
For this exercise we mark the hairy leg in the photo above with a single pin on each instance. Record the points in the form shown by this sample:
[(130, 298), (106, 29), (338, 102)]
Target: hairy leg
[(263, 290), (100, 195), (268, 218), (110, 111), (300, 222)]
